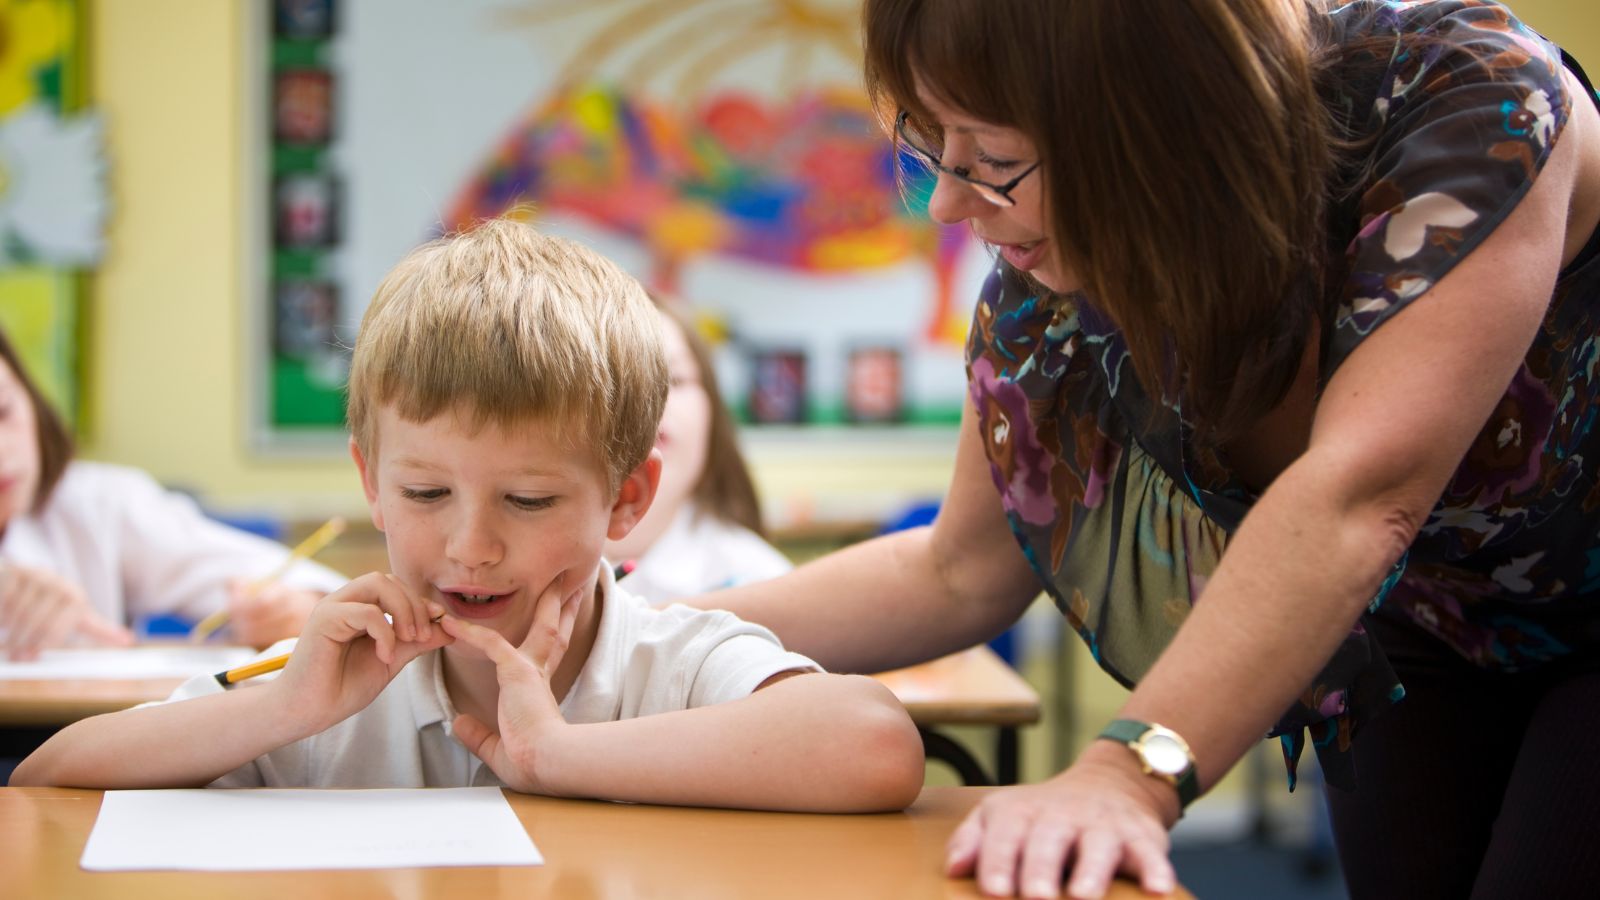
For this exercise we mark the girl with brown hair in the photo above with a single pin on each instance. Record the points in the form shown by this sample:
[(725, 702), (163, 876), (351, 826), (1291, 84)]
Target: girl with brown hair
[(1297, 308), (704, 530)]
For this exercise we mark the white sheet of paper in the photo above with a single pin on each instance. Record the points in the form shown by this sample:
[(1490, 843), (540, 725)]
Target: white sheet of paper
[(163, 661), (269, 829)]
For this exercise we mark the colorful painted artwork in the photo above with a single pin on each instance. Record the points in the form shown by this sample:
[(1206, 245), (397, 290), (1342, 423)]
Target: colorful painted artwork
[(53, 196), (722, 150), (812, 185)]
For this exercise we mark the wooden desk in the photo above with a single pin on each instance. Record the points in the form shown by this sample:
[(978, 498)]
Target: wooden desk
[(57, 703), (973, 687), (31, 711), (592, 850)]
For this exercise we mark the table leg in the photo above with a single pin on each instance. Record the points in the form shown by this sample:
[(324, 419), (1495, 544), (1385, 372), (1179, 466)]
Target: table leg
[(947, 751), (1006, 755)]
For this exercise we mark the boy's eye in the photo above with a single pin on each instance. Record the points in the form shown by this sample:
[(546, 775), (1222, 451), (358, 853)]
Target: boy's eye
[(531, 502), (425, 494)]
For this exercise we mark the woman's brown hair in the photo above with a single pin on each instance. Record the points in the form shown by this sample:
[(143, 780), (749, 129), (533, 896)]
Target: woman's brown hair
[(1187, 159), (724, 488), (55, 444)]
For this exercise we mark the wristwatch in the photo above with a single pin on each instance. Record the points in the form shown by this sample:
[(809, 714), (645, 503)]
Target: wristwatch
[(1162, 754)]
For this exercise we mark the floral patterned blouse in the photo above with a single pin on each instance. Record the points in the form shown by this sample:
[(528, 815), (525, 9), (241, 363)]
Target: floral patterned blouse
[(1124, 528)]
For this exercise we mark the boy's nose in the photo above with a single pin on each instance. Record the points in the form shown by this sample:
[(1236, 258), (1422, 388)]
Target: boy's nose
[(473, 544)]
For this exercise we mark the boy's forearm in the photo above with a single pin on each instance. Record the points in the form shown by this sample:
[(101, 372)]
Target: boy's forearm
[(185, 744), (810, 743)]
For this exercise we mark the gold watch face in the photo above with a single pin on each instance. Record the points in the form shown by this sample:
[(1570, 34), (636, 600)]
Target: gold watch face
[(1164, 754)]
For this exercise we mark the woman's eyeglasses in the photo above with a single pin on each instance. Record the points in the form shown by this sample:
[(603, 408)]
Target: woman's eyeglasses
[(998, 194)]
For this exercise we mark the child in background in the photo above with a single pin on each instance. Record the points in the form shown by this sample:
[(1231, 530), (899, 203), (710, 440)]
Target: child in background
[(505, 393), (703, 532), (88, 548)]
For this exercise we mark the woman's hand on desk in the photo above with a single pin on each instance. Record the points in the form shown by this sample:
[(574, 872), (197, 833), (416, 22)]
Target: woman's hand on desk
[(1099, 817), (40, 610), (263, 616), (528, 710), (350, 649)]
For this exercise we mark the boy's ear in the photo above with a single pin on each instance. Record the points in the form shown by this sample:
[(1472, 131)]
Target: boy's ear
[(634, 497), (369, 484)]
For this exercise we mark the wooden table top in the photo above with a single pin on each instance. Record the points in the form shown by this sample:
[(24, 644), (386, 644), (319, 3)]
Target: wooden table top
[(592, 850), (971, 687)]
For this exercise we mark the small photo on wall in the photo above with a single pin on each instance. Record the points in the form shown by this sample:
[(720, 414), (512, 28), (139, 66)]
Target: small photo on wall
[(873, 388), (305, 313), (777, 387), (306, 210), (302, 18), (302, 106)]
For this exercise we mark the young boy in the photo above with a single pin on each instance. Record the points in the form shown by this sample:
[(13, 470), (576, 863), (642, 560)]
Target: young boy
[(504, 398)]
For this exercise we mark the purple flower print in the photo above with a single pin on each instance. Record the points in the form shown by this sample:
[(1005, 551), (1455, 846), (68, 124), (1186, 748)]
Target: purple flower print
[(1018, 462)]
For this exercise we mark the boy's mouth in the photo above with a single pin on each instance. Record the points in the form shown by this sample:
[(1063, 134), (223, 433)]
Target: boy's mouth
[(475, 602)]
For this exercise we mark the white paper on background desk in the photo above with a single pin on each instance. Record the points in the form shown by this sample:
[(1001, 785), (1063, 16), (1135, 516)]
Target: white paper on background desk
[(117, 663), (268, 829)]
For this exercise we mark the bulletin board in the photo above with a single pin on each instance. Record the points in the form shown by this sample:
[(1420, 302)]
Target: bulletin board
[(52, 192), (720, 150)]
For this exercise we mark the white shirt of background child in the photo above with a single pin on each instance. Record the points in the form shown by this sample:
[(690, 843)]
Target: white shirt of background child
[(699, 553), (137, 549)]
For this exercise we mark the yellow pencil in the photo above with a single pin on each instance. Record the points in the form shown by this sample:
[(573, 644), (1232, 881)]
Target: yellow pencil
[(263, 666), (251, 670), (313, 544)]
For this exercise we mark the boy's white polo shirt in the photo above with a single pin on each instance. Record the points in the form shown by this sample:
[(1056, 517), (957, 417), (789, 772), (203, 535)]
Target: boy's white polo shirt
[(645, 660)]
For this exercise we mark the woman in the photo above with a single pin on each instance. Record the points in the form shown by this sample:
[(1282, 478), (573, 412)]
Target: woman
[(1268, 268)]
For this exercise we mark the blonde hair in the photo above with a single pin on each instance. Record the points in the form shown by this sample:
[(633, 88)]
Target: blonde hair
[(504, 325)]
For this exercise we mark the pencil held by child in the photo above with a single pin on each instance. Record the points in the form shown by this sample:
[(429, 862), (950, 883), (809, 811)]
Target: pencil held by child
[(265, 596)]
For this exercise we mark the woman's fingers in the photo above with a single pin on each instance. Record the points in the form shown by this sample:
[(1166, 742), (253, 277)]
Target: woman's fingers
[(1021, 840), (1044, 857), (999, 852), (961, 852), (1099, 855), (1150, 862)]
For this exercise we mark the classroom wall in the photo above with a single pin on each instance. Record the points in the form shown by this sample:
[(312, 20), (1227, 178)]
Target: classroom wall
[(165, 343)]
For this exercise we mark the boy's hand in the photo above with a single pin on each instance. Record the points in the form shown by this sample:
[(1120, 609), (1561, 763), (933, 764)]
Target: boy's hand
[(529, 715), (348, 652), (40, 610), (263, 616)]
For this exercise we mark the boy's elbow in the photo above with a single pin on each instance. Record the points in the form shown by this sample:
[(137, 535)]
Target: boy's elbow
[(35, 771), (26, 775), (888, 752)]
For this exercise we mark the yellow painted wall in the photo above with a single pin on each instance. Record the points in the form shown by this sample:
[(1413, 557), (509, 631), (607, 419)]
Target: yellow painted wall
[(167, 343)]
